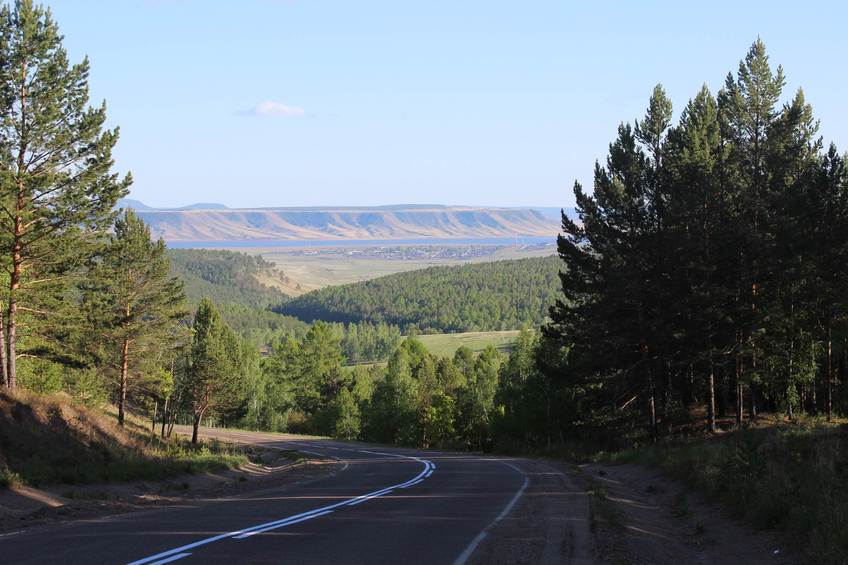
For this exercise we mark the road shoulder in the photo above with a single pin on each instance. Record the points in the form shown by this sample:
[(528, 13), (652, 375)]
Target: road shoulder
[(268, 468), (640, 515), (549, 524)]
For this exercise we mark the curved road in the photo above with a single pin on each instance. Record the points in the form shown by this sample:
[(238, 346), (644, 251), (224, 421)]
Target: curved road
[(385, 505)]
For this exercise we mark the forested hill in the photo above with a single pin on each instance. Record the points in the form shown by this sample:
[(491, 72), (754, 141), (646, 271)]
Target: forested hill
[(241, 285), (225, 276), (479, 297)]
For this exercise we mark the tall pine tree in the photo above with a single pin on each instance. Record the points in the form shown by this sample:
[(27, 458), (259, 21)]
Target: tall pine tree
[(133, 305), (57, 188), (212, 379)]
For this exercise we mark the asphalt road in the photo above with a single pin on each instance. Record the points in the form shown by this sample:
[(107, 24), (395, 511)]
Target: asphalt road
[(384, 505)]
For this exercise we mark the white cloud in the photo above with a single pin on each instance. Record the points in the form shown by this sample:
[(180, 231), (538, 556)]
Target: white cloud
[(272, 109)]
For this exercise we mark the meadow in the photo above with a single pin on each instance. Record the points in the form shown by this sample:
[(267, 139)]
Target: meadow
[(445, 345)]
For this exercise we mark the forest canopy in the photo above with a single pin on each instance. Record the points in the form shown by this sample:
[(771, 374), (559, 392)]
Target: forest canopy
[(500, 295)]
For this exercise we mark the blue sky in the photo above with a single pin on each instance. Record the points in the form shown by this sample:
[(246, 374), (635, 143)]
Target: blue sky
[(483, 102)]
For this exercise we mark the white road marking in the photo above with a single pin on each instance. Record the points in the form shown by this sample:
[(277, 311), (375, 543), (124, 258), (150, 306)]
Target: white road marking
[(268, 529), (171, 558), (369, 497), (180, 552), (463, 557)]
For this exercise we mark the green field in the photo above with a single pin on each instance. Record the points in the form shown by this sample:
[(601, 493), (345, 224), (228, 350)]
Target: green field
[(446, 345)]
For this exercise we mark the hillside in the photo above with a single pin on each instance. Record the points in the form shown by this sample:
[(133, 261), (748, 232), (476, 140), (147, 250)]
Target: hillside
[(241, 285), (337, 223), (54, 440), (226, 276), (501, 295)]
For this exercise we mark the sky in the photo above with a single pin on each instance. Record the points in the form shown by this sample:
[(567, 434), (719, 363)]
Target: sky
[(255, 103)]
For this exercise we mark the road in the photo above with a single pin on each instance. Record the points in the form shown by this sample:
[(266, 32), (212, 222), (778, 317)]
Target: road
[(383, 505)]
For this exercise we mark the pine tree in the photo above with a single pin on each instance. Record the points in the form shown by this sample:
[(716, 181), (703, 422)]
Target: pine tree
[(56, 185), (347, 420), (132, 303), (213, 379), (822, 230), (614, 282), (321, 377), (697, 208)]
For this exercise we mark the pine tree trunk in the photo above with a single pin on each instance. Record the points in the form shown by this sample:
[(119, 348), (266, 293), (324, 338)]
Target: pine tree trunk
[(172, 420), (548, 414), (125, 365), (11, 317), (711, 398), (753, 391), (11, 328), (653, 416), (829, 396), (739, 389), (4, 376), (791, 375), (195, 427), (198, 417), (165, 415), (814, 401), (17, 245)]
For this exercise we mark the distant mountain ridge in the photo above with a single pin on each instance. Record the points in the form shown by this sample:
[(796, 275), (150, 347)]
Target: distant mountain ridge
[(215, 222), (140, 206)]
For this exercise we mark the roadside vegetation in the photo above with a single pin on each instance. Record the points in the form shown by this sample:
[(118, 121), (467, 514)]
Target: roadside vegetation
[(52, 440), (788, 476)]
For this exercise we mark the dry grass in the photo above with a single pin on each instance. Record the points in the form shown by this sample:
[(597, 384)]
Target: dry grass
[(53, 440), (778, 475), (328, 266)]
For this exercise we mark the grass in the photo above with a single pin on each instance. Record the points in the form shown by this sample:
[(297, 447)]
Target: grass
[(791, 478), (50, 440), (446, 345)]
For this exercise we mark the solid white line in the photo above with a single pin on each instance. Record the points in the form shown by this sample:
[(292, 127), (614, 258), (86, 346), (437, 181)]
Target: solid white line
[(470, 549), (463, 557), (512, 502), (152, 558), (169, 559), (241, 534), (375, 495), (290, 522)]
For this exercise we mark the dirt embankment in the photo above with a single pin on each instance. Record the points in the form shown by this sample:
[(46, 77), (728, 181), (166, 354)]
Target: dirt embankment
[(640, 516), (60, 461)]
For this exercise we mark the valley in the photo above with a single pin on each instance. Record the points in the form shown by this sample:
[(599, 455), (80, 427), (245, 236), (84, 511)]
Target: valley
[(311, 268)]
